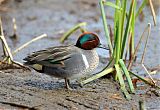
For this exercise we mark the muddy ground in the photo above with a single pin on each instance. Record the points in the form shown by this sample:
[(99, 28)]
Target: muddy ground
[(21, 89)]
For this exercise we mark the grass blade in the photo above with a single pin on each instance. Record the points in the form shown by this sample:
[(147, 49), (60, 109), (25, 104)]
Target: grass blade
[(6, 48), (112, 5), (27, 43), (141, 78), (121, 81), (141, 7), (117, 33), (105, 72), (67, 34), (132, 48), (121, 63), (119, 38), (124, 5), (105, 25), (128, 25)]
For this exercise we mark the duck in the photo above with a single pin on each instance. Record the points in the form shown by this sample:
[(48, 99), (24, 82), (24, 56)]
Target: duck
[(67, 62)]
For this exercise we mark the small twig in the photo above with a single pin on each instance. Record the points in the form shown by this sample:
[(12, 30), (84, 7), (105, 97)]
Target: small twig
[(20, 65), (145, 47), (26, 44), (1, 30), (2, 34), (136, 49), (14, 36), (14, 25), (144, 51), (7, 47), (144, 80), (153, 12), (148, 73)]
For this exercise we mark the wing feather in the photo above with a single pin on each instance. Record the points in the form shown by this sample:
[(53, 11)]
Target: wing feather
[(51, 56)]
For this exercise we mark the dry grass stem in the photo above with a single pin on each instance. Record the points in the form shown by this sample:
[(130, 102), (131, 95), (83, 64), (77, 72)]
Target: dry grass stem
[(6, 47), (7, 52), (144, 51), (20, 65), (145, 47), (1, 33), (153, 12), (14, 25), (14, 36), (148, 74), (31, 41), (136, 49)]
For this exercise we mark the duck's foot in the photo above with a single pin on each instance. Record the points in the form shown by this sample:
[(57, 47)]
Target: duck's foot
[(67, 84)]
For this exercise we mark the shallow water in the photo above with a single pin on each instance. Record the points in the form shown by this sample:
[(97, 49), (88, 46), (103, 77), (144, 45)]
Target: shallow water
[(35, 18)]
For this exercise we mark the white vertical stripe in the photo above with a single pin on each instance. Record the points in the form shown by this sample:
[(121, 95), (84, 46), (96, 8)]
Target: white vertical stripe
[(85, 61)]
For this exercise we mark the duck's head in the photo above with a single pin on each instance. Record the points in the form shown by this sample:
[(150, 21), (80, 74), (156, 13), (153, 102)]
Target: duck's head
[(88, 41)]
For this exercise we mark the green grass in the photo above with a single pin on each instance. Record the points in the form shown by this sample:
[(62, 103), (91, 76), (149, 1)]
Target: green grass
[(124, 36), (72, 30), (124, 26)]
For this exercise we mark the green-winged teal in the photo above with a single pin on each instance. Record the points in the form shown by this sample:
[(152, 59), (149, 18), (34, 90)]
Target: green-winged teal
[(67, 61)]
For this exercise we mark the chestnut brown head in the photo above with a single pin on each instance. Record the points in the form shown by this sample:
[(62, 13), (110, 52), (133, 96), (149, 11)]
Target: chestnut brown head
[(88, 41)]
